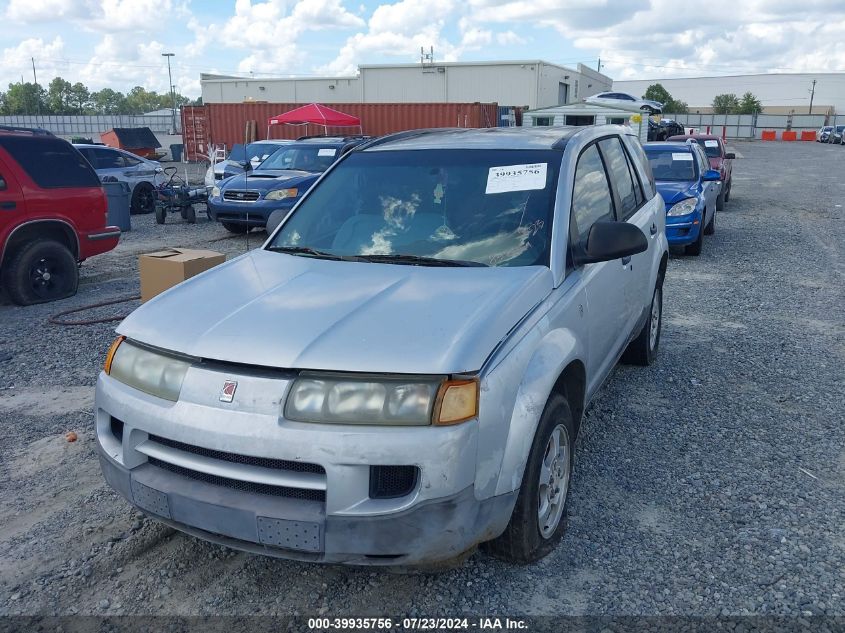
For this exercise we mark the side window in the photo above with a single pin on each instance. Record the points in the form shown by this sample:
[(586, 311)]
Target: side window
[(591, 199), (130, 161), (620, 176), (703, 163), (635, 179), (107, 159), (644, 166), (50, 162)]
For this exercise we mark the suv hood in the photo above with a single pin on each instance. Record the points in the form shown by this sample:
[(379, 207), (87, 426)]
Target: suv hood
[(278, 310), (268, 180), (675, 191)]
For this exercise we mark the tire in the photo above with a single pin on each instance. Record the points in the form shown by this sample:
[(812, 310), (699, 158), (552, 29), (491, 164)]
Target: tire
[(191, 214), (728, 192), (643, 349), (41, 271), (710, 229), (143, 198), (527, 538), (232, 227), (161, 214), (697, 245), (722, 198)]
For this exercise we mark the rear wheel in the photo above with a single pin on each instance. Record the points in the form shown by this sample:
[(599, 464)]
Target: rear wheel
[(537, 523), (143, 198), (643, 349), (41, 271), (232, 227)]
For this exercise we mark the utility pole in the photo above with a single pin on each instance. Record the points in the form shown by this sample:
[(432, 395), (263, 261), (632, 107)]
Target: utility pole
[(172, 95), (35, 80), (598, 66), (812, 94)]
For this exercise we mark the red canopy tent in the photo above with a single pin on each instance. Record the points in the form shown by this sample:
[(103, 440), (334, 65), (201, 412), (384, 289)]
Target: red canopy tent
[(315, 114)]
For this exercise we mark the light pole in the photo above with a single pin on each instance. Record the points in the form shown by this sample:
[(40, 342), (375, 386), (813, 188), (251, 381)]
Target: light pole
[(170, 83)]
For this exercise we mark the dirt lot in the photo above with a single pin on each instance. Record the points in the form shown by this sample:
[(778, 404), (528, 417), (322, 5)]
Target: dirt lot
[(710, 483)]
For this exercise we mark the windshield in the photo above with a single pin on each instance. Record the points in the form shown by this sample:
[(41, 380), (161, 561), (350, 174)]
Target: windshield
[(302, 157), (669, 165), (237, 154), (711, 147), (258, 152), (489, 207), (840, 128)]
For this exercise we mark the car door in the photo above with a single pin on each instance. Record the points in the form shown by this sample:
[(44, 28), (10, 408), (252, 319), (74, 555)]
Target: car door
[(603, 282), (631, 207), (710, 188), (139, 170), (12, 204)]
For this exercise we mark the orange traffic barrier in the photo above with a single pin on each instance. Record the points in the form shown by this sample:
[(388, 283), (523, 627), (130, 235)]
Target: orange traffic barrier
[(769, 135), (789, 135), (808, 135)]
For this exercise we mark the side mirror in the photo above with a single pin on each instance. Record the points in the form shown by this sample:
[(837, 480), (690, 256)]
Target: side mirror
[(730, 155), (609, 240), (711, 175), (245, 165)]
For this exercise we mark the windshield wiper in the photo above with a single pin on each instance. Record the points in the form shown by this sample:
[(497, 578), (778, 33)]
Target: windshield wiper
[(307, 250), (418, 260)]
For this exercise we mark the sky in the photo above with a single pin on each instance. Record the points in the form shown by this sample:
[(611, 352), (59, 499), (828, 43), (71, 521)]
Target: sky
[(118, 43)]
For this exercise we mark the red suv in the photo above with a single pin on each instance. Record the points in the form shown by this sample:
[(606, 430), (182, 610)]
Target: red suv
[(52, 215), (720, 159)]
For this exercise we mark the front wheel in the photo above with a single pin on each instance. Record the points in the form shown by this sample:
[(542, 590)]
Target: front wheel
[(41, 271), (722, 198), (711, 225), (696, 247), (643, 349), (232, 227), (143, 198), (537, 524)]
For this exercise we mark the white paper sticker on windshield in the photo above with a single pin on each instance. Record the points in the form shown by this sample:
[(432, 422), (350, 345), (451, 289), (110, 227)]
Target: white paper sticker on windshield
[(327, 151), (711, 143), (516, 178), (681, 156)]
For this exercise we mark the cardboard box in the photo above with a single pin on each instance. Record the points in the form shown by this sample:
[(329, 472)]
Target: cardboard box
[(164, 269)]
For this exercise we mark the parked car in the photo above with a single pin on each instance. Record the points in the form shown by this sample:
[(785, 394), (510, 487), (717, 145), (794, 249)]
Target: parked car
[(400, 372), (835, 135), (244, 201), (823, 134), (52, 215), (624, 101), (689, 187), (233, 164), (719, 158), (663, 129), (141, 174)]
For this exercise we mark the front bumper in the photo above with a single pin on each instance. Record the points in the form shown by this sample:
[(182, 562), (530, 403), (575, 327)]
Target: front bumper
[(439, 519), (683, 230), (249, 213)]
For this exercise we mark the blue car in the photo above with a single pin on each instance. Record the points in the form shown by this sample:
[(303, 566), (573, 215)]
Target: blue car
[(247, 200), (690, 190)]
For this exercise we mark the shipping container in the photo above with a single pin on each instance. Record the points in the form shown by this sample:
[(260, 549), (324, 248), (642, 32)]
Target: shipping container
[(230, 123)]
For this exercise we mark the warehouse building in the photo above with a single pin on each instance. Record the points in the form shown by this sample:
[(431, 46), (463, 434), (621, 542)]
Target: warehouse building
[(780, 93), (532, 84)]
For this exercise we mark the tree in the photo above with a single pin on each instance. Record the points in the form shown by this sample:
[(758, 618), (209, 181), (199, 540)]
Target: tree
[(25, 98), (58, 95), (79, 98), (108, 101), (656, 92), (749, 104), (725, 104), (140, 100)]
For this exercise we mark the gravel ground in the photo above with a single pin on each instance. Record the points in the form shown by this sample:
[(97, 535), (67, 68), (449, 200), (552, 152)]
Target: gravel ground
[(710, 483)]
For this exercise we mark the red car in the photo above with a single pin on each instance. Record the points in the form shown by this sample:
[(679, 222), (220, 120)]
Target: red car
[(720, 160), (53, 214)]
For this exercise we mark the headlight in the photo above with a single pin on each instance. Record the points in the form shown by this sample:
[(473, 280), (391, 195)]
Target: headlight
[(385, 401), (684, 207), (147, 371), (215, 191), (281, 194)]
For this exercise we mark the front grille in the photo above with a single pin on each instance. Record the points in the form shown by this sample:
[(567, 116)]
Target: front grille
[(116, 429), (389, 482), (242, 486), (264, 462), (240, 195)]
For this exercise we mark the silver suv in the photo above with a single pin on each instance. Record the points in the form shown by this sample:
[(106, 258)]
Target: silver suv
[(399, 373)]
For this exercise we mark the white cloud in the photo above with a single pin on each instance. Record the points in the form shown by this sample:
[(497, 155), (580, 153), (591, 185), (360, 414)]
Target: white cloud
[(31, 11)]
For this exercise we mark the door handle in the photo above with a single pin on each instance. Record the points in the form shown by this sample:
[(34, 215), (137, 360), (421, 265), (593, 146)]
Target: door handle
[(8, 204), (653, 228)]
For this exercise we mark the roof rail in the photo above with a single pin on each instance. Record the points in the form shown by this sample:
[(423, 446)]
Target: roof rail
[(32, 130), (339, 136), (396, 136)]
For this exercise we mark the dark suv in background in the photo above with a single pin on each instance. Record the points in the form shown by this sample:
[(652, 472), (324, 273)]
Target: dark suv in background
[(247, 200), (663, 129), (52, 215)]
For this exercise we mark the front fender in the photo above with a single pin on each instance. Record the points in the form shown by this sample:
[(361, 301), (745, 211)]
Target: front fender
[(532, 371)]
